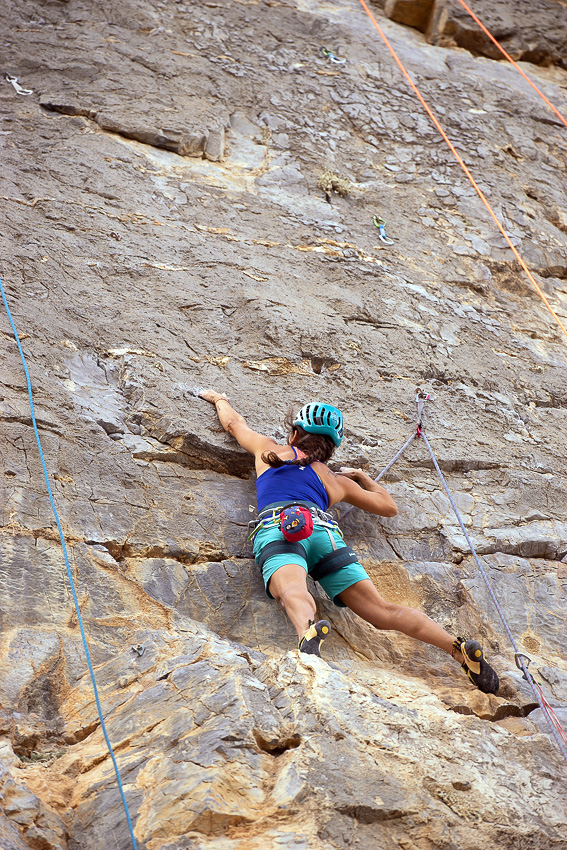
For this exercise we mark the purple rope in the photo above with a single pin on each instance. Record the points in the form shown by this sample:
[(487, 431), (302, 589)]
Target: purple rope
[(519, 658)]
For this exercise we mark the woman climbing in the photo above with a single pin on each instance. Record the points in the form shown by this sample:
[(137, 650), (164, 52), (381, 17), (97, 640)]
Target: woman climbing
[(295, 534)]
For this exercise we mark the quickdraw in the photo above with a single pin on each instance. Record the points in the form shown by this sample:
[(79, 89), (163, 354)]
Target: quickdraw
[(331, 57), (17, 87), (420, 399), (381, 225)]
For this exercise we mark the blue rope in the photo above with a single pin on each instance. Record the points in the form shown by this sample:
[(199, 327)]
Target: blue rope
[(68, 568)]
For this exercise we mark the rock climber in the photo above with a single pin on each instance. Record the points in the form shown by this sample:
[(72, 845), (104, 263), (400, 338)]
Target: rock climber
[(295, 535)]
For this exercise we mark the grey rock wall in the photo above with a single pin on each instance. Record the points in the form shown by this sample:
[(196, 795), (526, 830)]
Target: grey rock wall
[(165, 228), (534, 32)]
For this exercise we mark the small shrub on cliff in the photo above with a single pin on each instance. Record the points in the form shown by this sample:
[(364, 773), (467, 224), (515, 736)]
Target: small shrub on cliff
[(330, 182)]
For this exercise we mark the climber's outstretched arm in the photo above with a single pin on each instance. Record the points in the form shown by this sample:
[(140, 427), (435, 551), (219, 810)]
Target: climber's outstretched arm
[(234, 423)]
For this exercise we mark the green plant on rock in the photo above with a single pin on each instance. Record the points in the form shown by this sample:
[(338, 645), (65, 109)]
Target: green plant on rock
[(43, 758), (331, 182)]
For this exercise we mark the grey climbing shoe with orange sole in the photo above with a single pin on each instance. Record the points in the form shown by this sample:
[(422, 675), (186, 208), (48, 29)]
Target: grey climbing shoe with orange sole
[(311, 641), (476, 667)]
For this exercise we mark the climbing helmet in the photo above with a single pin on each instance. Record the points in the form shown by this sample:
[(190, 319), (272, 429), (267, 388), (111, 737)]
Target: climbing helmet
[(318, 418)]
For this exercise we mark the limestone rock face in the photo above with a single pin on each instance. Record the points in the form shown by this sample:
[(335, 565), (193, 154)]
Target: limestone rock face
[(533, 33), (166, 227)]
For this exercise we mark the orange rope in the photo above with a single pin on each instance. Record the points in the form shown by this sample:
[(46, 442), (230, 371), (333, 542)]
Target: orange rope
[(509, 58), (464, 167)]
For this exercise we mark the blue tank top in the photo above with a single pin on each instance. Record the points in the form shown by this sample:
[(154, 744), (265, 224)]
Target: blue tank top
[(290, 483)]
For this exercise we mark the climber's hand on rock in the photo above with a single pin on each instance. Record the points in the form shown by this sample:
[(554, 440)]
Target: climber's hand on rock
[(212, 396), (361, 477), (349, 472)]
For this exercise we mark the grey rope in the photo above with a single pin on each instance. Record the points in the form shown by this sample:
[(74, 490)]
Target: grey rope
[(518, 655), (520, 658), (384, 471)]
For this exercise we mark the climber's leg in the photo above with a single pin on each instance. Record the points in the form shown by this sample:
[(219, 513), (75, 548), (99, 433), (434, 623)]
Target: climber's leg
[(364, 600)]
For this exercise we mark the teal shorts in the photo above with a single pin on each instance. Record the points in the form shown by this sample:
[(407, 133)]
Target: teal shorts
[(316, 546)]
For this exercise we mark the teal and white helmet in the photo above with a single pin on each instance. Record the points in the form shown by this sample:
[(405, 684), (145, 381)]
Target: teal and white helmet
[(318, 418)]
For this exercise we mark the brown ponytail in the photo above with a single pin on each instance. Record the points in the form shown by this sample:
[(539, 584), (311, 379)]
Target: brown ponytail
[(315, 447)]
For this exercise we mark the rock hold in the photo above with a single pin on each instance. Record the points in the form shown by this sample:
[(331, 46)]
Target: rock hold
[(208, 143)]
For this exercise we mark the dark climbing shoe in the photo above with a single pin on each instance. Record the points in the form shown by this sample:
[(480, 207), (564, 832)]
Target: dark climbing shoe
[(311, 641), (476, 667)]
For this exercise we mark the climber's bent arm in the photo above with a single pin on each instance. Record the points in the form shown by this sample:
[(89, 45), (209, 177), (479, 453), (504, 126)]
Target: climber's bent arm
[(357, 488)]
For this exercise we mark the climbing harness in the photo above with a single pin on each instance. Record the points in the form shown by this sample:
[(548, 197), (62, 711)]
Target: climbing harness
[(14, 81), (521, 659), (271, 516), (381, 225), (461, 162), (332, 562), (515, 64), (68, 568), (331, 57), (279, 547)]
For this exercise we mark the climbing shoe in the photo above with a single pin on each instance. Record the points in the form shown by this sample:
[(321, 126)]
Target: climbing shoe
[(314, 637), (477, 669)]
